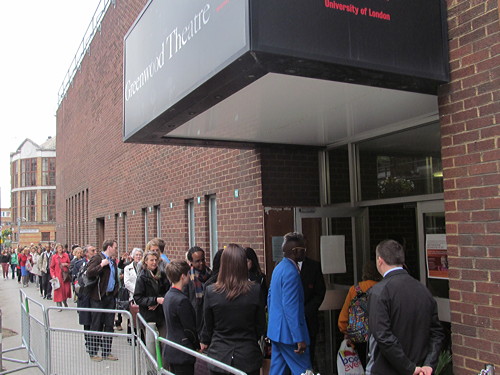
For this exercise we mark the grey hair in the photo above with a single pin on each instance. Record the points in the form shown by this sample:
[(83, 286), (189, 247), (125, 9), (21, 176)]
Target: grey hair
[(135, 250), (86, 249)]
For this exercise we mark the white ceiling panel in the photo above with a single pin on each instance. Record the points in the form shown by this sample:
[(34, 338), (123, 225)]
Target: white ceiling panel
[(296, 110)]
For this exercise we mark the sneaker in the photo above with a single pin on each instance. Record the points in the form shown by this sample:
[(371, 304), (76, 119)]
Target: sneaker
[(119, 328), (110, 357), (96, 358)]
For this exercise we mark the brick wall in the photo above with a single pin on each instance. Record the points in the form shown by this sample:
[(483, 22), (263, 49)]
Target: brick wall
[(470, 112), (128, 178), (290, 176)]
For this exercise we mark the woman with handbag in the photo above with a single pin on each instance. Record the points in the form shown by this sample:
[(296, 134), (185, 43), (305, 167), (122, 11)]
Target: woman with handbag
[(59, 269)]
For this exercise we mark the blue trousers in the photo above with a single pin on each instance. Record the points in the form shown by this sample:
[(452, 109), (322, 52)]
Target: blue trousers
[(283, 355)]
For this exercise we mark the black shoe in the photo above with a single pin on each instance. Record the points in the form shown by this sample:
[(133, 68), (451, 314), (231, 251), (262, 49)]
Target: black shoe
[(49, 298)]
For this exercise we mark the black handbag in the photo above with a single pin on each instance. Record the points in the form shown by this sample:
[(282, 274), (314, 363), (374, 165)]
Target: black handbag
[(122, 299)]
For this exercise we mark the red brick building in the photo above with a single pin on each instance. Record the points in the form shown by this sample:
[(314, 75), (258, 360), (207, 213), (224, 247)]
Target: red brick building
[(404, 163)]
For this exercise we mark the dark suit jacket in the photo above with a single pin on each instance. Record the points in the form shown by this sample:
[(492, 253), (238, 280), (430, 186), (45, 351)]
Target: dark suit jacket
[(314, 292), (232, 328), (405, 331), (94, 269), (181, 327)]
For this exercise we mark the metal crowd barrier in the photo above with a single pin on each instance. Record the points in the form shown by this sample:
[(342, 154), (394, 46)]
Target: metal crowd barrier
[(146, 361), (30, 328), (55, 349), (68, 348)]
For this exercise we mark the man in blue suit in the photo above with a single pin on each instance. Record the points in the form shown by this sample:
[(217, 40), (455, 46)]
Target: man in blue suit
[(287, 327)]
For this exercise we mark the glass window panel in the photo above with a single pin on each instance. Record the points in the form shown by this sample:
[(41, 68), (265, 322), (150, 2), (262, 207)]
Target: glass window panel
[(338, 175), (402, 164), (343, 226), (212, 225)]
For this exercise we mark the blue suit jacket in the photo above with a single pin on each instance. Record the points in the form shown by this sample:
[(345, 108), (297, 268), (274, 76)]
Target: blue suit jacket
[(285, 301)]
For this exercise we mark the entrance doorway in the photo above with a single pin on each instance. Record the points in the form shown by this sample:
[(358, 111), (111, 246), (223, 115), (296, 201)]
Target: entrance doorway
[(100, 231), (352, 225), (409, 223)]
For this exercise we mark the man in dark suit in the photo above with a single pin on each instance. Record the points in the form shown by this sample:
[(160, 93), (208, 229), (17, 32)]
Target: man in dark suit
[(102, 296), (287, 329), (314, 293), (405, 332)]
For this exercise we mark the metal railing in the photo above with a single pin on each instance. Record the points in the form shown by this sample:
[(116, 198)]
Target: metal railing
[(61, 350), (69, 349), (202, 357), (84, 47), (31, 333)]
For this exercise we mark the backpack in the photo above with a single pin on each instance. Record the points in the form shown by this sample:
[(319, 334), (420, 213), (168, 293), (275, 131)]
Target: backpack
[(84, 284), (357, 326)]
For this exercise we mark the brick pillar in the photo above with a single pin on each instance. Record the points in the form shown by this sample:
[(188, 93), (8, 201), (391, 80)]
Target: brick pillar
[(470, 131)]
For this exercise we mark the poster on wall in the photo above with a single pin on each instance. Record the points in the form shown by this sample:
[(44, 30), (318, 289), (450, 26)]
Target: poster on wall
[(333, 254), (436, 256)]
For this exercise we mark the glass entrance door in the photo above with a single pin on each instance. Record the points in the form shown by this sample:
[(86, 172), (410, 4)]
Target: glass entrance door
[(351, 223)]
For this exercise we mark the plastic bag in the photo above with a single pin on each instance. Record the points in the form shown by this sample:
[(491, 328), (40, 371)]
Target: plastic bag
[(55, 283), (348, 362)]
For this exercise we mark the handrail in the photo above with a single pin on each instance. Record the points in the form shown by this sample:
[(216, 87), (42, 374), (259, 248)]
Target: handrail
[(83, 48), (203, 357)]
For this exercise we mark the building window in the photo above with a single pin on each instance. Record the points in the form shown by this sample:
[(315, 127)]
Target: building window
[(158, 220), (125, 229), (14, 174), (401, 164), (49, 205), (145, 218), (338, 175), (28, 205), (28, 172), (212, 225), (48, 171), (14, 203), (46, 236), (190, 217)]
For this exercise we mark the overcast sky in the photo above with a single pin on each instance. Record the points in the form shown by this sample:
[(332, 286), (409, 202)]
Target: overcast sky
[(38, 40)]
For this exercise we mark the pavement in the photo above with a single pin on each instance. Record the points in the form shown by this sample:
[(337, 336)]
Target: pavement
[(10, 305)]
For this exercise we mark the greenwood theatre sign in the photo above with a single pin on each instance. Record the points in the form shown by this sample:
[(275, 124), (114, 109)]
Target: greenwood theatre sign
[(183, 57)]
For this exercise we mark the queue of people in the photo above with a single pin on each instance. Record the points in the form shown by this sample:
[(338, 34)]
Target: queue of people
[(222, 312), (30, 265)]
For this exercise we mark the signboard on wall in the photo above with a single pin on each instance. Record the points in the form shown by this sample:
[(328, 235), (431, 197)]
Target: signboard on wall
[(175, 46), (333, 254), (404, 37), (27, 230), (182, 58)]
